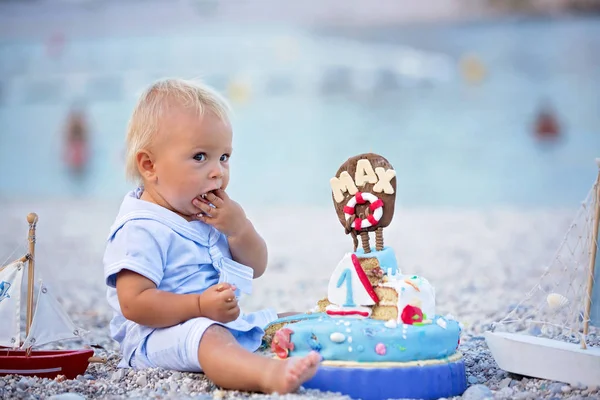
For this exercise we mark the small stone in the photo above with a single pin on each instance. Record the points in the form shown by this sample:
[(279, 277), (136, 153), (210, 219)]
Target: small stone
[(504, 383), (566, 389), (88, 377), (142, 381), (23, 383), (2, 383), (218, 394), (67, 396), (505, 393), (118, 375), (473, 380), (477, 392), (500, 373), (173, 387), (176, 376), (555, 387)]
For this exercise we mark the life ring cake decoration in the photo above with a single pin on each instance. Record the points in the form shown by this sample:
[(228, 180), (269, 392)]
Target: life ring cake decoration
[(376, 208), (376, 324)]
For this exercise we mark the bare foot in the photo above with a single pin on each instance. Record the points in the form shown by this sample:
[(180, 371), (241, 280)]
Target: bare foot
[(288, 378)]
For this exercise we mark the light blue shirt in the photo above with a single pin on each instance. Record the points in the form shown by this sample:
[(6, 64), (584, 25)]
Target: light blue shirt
[(177, 255)]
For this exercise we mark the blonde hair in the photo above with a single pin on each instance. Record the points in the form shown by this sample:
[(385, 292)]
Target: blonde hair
[(151, 105)]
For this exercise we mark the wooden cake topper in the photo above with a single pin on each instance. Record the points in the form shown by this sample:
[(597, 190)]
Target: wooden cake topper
[(364, 194)]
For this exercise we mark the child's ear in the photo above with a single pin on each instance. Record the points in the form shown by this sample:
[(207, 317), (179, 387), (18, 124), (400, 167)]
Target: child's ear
[(145, 164)]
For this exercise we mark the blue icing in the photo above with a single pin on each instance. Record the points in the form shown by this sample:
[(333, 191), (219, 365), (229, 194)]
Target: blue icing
[(386, 258), (296, 317), (422, 342)]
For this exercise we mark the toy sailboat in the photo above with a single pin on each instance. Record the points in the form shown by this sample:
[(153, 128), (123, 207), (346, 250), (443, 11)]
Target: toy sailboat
[(49, 323), (546, 335)]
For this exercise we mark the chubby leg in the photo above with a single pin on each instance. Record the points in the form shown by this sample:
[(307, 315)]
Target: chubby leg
[(231, 366)]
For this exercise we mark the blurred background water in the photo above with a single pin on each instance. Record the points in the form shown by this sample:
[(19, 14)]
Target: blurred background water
[(456, 107)]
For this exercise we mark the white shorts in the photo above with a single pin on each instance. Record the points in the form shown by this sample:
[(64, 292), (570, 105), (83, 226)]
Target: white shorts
[(176, 347)]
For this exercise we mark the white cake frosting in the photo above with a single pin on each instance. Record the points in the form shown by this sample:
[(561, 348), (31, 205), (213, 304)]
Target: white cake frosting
[(412, 290)]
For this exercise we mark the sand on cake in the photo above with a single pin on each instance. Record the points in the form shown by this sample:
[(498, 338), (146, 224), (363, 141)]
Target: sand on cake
[(480, 262)]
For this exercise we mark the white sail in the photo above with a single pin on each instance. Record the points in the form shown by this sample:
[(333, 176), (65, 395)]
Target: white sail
[(11, 277), (50, 322), (345, 287), (547, 334)]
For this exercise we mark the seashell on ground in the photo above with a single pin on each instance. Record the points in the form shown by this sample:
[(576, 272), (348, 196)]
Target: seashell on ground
[(556, 301)]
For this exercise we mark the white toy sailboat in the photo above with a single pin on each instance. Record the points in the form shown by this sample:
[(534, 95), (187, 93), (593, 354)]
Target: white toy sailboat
[(546, 335), (47, 324)]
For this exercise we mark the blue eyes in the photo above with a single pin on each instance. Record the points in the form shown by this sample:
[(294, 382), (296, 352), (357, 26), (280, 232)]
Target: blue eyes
[(202, 157)]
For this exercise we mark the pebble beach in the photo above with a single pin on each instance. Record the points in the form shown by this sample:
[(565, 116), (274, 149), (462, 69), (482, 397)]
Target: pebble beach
[(480, 261)]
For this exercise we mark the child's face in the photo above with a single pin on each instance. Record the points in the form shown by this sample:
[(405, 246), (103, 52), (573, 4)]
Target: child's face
[(191, 158)]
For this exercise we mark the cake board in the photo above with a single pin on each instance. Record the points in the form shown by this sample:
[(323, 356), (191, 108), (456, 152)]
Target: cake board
[(446, 378)]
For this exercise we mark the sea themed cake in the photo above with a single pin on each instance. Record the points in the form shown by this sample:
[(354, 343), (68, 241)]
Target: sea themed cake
[(376, 322)]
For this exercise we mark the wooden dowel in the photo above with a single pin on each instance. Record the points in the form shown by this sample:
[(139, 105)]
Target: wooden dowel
[(95, 359), (592, 265), (32, 218)]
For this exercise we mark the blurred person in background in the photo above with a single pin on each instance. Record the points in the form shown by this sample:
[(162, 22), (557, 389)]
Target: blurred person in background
[(547, 126), (76, 152)]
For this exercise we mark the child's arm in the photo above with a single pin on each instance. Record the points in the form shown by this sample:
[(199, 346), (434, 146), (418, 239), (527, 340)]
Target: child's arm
[(143, 303), (249, 248), (246, 245)]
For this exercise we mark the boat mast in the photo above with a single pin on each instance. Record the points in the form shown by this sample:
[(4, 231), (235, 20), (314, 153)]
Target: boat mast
[(592, 265), (32, 218)]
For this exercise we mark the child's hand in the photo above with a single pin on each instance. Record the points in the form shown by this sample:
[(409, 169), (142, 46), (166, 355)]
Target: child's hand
[(219, 303), (226, 215)]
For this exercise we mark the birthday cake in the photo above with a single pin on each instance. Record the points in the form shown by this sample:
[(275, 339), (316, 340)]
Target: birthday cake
[(373, 315)]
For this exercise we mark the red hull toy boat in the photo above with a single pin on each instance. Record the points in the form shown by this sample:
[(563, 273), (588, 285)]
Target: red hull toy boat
[(45, 364), (48, 324)]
